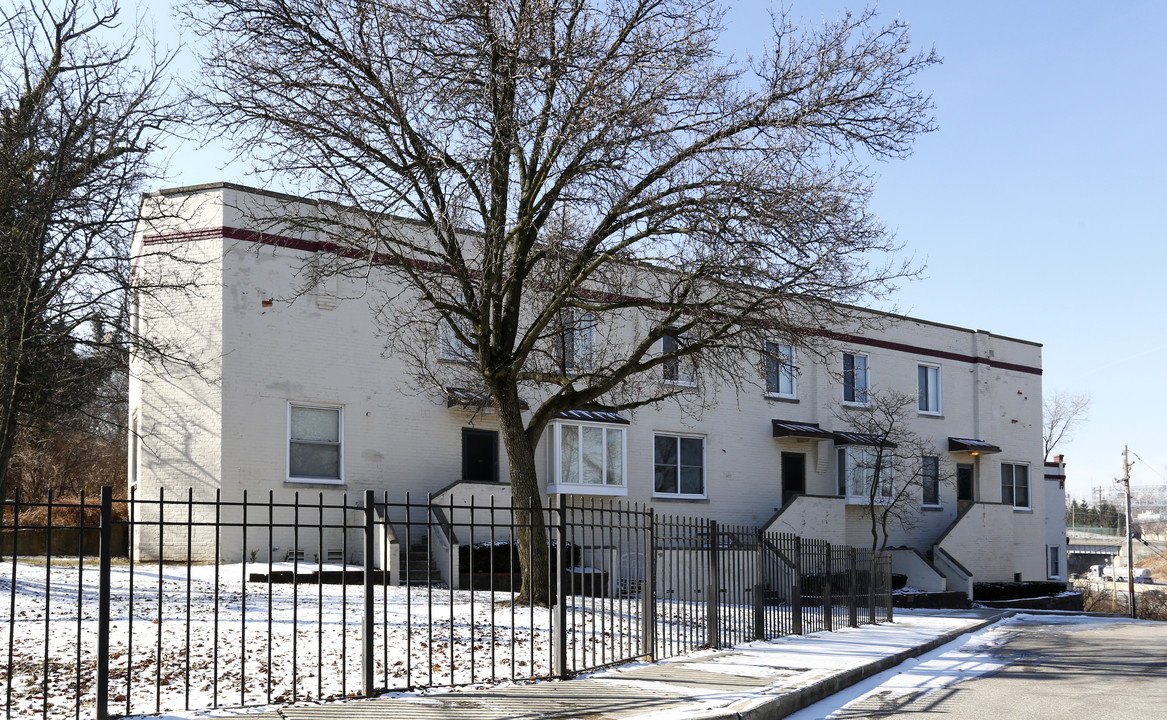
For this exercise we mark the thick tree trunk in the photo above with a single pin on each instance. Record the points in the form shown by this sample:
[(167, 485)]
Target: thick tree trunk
[(874, 525), (530, 523), (8, 413)]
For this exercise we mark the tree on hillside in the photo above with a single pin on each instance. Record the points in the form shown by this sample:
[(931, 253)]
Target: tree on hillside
[(889, 467), (78, 119), (592, 176), (1062, 413), (77, 440)]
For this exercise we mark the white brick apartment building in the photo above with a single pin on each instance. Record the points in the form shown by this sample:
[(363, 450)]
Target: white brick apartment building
[(300, 395)]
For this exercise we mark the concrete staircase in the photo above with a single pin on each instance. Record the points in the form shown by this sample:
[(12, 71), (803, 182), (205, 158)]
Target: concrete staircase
[(419, 568)]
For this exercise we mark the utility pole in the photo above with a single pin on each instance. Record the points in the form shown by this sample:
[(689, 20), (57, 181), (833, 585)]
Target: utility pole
[(1130, 553)]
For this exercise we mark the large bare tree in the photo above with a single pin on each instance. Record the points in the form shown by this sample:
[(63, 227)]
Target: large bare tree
[(79, 116), (572, 169)]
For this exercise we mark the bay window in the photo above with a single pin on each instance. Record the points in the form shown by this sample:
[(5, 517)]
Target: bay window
[(586, 458), (857, 468)]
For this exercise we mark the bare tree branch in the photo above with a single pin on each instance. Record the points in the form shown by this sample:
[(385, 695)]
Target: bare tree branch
[(80, 118), (895, 469), (1063, 413), (572, 156)]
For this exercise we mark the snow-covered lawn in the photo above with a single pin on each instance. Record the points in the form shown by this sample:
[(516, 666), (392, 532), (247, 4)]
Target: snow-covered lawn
[(202, 641)]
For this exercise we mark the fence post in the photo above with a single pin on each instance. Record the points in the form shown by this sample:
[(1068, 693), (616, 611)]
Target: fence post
[(796, 586), (759, 588), (890, 594), (876, 571), (648, 590), (852, 589), (828, 601), (559, 636), (104, 552), (367, 677), (713, 589)]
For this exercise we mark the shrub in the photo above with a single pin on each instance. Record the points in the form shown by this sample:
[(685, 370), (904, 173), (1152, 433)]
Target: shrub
[(989, 591), (505, 556)]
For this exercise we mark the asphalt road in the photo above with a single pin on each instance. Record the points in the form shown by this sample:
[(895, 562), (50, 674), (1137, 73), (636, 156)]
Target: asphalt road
[(1114, 672)]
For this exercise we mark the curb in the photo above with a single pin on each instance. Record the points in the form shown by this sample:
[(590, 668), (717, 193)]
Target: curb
[(778, 707)]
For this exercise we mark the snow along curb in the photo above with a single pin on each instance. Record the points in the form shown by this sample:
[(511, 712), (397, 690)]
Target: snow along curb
[(773, 708)]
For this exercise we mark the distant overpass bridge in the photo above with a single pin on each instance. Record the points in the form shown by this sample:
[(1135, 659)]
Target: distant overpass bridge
[(1092, 548)]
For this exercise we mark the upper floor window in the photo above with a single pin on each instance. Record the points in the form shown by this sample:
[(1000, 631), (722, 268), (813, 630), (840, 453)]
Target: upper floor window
[(587, 458), (855, 379), (857, 467), (1015, 484), (679, 371), (314, 443), (780, 370), (679, 466), (930, 480), (928, 384), (574, 349), (450, 345)]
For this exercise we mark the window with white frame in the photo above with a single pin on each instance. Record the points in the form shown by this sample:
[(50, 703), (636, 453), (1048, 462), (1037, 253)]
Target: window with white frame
[(928, 383), (586, 458), (574, 349), (930, 480), (1015, 484), (314, 443), (856, 468), (855, 379), (1055, 561), (450, 346), (780, 370), (678, 466), (678, 371)]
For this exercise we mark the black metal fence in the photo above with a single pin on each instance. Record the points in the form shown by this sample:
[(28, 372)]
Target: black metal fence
[(177, 603)]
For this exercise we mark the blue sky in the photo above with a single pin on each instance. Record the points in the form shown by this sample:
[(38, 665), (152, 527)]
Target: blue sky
[(1035, 204)]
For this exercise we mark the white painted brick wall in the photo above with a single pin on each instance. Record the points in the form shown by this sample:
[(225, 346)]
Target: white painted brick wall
[(227, 428)]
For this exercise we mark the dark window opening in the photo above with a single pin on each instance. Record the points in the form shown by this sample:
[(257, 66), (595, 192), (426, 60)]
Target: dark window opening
[(964, 482), (793, 476), (479, 455)]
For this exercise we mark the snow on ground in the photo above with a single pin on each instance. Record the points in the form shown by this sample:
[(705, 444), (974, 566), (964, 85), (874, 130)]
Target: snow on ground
[(795, 660), (180, 643), (826, 653)]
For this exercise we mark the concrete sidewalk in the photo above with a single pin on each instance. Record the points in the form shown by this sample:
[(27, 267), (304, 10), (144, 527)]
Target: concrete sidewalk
[(755, 681)]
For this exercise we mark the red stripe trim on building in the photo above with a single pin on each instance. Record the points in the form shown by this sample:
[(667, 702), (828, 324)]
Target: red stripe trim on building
[(941, 354), (292, 243)]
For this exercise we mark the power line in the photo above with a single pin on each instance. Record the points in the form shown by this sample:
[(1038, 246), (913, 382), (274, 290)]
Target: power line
[(1149, 466)]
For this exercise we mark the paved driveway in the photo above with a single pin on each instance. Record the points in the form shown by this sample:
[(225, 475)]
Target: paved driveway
[(1114, 670)]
